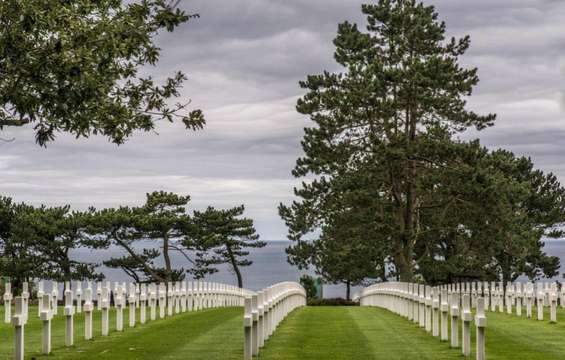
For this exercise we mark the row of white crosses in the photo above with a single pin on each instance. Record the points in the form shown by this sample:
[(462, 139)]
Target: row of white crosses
[(518, 295), (172, 298), (265, 309), (431, 308)]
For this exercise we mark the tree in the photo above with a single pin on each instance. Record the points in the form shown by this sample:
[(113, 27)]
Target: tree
[(18, 260), (134, 266), (503, 209), (222, 237), (162, 220), (531, 207), (54, 232), (309, 284), (387, 119), (74, 66), (37, 243), (347, 251)]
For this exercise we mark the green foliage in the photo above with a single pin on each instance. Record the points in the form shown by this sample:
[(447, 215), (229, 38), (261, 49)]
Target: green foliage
[(36, 242), (222, 237), (332, 302), (309, 284), (75, 66), (391, 190), (162, 220), (506, 208)]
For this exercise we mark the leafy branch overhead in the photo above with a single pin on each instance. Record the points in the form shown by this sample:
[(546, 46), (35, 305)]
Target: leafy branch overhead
[(76, 67)]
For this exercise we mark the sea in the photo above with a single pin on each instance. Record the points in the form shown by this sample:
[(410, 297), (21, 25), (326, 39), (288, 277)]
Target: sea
[(269, 266)]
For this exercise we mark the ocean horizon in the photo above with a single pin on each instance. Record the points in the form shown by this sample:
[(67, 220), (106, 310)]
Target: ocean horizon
[(269, 265)]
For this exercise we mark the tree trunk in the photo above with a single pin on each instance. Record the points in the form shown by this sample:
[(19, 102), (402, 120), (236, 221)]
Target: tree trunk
[(348, 291), (235, 268), (166, 256), (404, 266), (66, 266), (129, 250)]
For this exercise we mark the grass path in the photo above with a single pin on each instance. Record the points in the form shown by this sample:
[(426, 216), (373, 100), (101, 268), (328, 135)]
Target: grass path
[(371, 333), (352, 333)]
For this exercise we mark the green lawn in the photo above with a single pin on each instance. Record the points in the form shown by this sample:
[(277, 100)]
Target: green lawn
[(371, 333), (307, 333), (209, 334)]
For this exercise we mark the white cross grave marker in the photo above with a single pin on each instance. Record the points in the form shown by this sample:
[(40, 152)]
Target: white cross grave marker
[(45, 315), (69, 314), (88, 308), (18, 321), (132, 300), (466, 317), (481, 323), (454, 320), (105, 308), (40, 293), (162, 300), (7, 302), (119, 302), (78, 296), (54, 297), (444, 310)]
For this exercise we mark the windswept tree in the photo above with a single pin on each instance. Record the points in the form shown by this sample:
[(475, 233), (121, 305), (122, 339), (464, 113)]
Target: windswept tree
[(54, 232), (18, 260), (38, 242), (161, 221), (388, 118), (76, 67), (222, 237)]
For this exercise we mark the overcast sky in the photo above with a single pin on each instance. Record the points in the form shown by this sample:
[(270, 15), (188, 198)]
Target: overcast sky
[(244, 59)]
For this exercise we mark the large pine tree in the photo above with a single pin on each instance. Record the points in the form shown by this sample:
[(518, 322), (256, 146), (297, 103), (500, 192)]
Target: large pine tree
[(387, 119)]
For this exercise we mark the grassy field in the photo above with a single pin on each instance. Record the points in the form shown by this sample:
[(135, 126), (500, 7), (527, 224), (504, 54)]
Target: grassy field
[(308, 333), (370, 333), (209, 334)]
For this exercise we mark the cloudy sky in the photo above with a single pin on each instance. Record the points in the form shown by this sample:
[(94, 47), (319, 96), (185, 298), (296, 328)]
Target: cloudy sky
[(244, 59)]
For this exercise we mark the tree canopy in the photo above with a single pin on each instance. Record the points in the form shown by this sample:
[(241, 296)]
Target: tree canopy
[(77, 67), (387, 175), (222, 237)]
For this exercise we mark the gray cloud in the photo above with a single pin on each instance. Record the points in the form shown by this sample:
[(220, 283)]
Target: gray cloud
[(244, 59)]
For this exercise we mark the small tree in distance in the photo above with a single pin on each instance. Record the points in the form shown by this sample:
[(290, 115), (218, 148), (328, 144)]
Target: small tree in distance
[(222, 237), (309, 284)]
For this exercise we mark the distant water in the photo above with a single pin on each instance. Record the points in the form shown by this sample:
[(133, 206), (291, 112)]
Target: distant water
[(269, 267), (557, 248)]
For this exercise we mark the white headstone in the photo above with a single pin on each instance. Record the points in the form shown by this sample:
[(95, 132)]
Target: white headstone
[(88, 309), (142, 303), (132, 300), (7, 302), (78, 296), (45, 315), (18, 321), (69, 314)]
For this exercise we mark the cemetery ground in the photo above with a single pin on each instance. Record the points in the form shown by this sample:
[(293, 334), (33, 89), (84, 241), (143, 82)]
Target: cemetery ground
[(307, 333)]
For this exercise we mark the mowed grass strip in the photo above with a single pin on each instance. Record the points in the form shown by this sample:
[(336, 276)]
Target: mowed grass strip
[(208, 334), (372, 333), (352, 333)]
